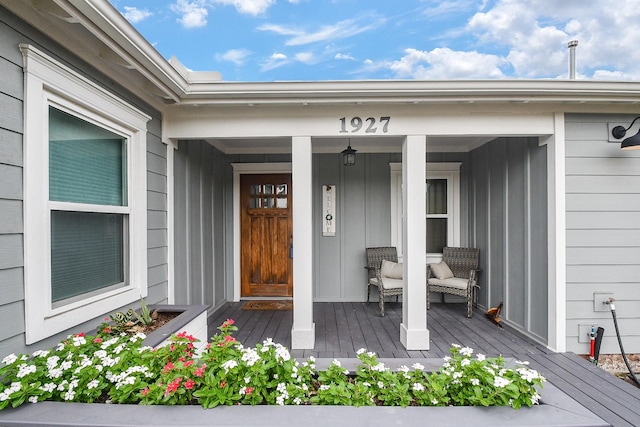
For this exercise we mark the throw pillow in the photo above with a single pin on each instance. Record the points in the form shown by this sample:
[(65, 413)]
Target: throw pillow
[(390, 269), (441, 270)]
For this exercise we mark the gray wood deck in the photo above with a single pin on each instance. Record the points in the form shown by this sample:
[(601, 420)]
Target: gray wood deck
[(343, 328)]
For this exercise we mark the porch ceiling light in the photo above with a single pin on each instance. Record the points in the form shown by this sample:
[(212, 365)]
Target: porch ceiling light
[(631, 143), (349, 155)]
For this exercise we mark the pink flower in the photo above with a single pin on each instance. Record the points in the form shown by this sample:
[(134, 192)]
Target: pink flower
[(81, 334), (223, 384), (188, 363), (145, 391), (169, 366), (173, 386), (199, 371), (97, 340), (107, 330), (248, 391), (189, 384), (228, 323)]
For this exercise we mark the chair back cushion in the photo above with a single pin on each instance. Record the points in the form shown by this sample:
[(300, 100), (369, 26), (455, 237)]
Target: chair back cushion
[(376, 255), (390, 269), (441, 270)]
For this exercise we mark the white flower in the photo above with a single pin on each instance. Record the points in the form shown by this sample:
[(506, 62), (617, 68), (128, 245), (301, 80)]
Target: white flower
[(528, 374), (41, 353), (379, 367), (229, 364), (465, 362), (500, 382), (79, 340), (336, 362), (481, 357), (403, 368), (418, 366), (475, 381), (360, 351), (69, 395), (10, 359), (457, 375), (297, 401), (434, 401), (49, 387), (366, 384), (380, 384), (466, 351), (93, 384), (519, 362), (33, 399), (418, 387), (324, 387), (25, 370)]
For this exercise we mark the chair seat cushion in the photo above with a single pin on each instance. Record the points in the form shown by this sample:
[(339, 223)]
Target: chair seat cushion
[(387, 283), (452, 282), (441, 270)]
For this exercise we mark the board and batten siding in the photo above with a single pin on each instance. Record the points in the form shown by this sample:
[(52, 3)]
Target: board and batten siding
[(13, 31), (508, 222), (603, 232)]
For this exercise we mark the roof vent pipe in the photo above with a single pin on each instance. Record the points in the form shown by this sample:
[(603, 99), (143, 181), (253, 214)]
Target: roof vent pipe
[(572, 58)]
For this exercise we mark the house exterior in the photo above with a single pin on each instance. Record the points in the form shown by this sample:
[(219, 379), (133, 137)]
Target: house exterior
[(123, 175)]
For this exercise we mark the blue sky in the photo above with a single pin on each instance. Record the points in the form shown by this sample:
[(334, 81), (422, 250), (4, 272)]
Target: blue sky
[(271, 40)]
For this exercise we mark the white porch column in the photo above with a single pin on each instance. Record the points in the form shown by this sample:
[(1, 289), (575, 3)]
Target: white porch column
[(414, 334), (303, 332)]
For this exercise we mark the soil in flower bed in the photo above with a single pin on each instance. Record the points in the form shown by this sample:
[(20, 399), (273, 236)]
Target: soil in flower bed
[(162, 318)]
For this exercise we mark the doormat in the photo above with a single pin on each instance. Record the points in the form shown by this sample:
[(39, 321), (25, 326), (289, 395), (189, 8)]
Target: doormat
[(268, 305)]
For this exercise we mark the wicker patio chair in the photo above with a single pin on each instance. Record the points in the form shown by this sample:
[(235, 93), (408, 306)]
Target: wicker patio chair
[(387, 285), (457, 276)]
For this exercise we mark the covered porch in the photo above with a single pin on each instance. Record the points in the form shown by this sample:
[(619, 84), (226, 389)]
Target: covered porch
[(344, 327)]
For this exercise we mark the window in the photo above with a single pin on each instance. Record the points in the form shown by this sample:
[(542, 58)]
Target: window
[(442, 192), (85, 199)]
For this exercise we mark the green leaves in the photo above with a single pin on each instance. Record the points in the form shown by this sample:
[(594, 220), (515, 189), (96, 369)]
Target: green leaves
[(116, 368)]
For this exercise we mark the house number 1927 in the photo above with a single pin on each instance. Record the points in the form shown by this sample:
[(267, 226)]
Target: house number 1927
[(370, 124)]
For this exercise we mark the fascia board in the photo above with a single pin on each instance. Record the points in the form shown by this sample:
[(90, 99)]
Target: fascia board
[(106, 23)]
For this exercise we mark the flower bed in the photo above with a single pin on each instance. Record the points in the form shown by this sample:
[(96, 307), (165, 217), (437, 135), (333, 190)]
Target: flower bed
[(119, 369)]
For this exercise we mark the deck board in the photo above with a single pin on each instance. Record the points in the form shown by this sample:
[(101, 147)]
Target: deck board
[(342, 328)]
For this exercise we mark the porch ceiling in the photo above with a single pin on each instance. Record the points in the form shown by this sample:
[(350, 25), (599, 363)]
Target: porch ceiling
[(369, 144)]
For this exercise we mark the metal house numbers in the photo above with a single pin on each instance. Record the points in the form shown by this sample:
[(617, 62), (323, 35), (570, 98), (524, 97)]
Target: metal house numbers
[(369, 125)]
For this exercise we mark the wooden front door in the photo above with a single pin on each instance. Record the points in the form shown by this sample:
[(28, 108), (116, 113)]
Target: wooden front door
[(266, 235)]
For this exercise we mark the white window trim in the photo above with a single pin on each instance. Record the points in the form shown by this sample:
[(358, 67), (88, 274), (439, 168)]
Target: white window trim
[(50, 83), (444, 170)]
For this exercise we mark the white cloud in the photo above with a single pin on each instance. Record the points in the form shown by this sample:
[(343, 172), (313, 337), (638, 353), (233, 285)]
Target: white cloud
[(343, 29), (193, 14), (250, 7), (536, 33), (135, 15), (276, 60), (443, 63), (344, 56), (305, 57), (237, 56)]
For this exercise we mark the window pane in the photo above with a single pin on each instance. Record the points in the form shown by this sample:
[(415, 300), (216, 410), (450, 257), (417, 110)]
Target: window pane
[(87, 252), (436, 196), (87, 164), (436, 235), (281, 203)]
